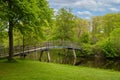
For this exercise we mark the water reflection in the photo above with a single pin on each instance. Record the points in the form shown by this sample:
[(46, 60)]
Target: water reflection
[(58, 56)]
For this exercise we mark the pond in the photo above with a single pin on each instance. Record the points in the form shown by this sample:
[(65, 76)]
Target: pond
[(58, 56)]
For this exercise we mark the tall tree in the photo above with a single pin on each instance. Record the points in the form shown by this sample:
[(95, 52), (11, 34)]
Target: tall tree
[(23, 15), (81, 27), (64, 24), (97, 28), (102, 26), (111, 21)]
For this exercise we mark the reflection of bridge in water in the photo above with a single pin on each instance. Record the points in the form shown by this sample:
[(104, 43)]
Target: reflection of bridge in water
[(43, 47)]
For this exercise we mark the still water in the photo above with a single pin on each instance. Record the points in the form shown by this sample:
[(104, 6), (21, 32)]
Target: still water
[(58, 56)]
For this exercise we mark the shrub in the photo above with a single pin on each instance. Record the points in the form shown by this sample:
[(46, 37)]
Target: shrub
[(109, 50), (87, 49)]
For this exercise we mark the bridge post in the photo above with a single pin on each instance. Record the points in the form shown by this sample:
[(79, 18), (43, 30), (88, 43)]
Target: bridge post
[(74, 54), (66, 56), (41, 53), (48, 55)]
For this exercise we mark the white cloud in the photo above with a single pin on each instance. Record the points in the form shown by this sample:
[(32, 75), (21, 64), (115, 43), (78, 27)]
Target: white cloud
[(55, 11), (88, 7), (85, 13), (114, 9), (93, 5), (114, 1), (88, 18), (86, 3)]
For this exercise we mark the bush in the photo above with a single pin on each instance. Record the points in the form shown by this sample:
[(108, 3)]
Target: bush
[(109, 47), (106, 48), (87, 49), (85, 38), (109, 50)]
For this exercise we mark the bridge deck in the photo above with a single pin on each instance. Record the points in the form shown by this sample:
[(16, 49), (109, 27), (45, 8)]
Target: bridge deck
[(41, 49)]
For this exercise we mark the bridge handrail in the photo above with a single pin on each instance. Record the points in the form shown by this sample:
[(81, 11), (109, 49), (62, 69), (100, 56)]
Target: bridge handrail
[(4, 51)]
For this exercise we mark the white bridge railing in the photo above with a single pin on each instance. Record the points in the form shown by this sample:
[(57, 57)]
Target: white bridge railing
[(49, 45)]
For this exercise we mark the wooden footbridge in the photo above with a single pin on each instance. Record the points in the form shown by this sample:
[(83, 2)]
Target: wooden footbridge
[(45, 46)]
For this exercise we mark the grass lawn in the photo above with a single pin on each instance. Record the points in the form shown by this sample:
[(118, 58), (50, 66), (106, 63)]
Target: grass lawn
[(35, 70)]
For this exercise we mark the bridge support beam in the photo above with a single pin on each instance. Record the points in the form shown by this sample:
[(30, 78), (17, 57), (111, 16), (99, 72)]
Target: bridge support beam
[(23, 55), (41, 53), (74, 54), (48, 55), (66, 56)]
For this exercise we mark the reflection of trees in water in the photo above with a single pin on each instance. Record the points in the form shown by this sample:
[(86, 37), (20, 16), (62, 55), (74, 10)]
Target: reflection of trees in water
[(58, 56)]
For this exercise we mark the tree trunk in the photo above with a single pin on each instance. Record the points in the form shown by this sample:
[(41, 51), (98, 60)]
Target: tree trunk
[(23, 43), (10, 33)]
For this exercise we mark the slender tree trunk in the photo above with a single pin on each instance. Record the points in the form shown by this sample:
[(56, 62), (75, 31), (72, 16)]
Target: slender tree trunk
[(23, 43), (10, 33)]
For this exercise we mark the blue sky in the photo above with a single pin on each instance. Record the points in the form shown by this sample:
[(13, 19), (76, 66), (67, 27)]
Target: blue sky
[(87, 8)]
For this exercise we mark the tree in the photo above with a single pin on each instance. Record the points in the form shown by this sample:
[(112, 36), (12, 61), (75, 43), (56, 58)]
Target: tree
[(102, 26), (64, 24), (23, 15), (85, 38), (97, 28), (111, 21), (81, 27), (115, 39)]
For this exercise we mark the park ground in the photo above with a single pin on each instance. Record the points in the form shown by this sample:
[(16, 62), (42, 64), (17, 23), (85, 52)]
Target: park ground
[(35, 70)]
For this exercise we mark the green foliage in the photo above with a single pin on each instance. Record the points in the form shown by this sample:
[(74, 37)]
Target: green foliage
[(111, 21), (105, 34), (34, 70), (33, 20), (115, 39), (64, 25), (27, 16), (111, 46), (106, 47), (85, 38), (97, 24), (98, 47), (109, 50), (87, 49), (81, 27), (102, 26), (4, 38)]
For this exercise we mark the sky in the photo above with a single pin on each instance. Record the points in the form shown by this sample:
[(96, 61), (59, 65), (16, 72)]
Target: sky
[(87, 8)]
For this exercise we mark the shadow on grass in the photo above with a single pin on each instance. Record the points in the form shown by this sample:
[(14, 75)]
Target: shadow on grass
[(6, 61)]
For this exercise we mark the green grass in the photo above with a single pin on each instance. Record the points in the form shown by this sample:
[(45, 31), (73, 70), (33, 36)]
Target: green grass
[(35, 70)]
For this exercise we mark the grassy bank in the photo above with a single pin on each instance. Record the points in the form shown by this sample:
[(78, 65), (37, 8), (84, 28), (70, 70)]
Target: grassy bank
[(34, 70)]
